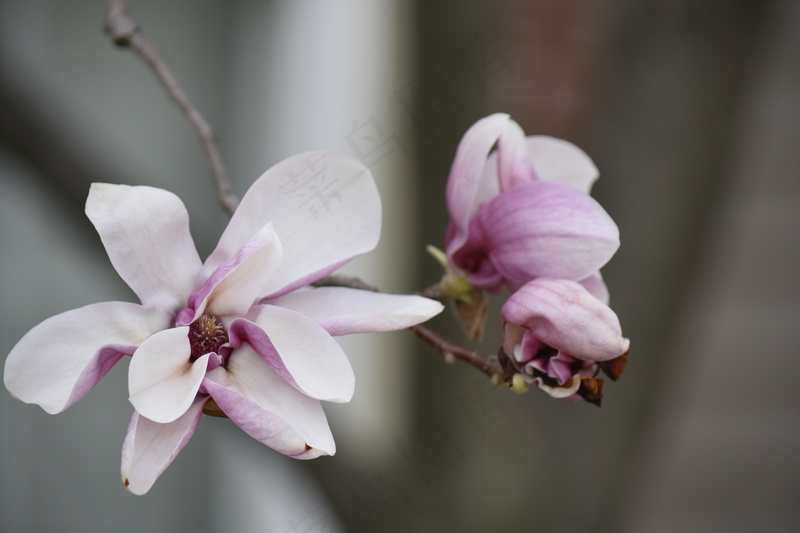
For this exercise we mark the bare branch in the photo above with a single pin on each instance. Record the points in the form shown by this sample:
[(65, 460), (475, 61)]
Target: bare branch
[(489, 365), (124, 31)]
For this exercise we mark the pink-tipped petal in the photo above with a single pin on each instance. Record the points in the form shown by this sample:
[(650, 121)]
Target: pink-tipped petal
[(162, 382), (57, 362), (149, 447), (466, 186), (268, 409), (341, 311), (325, 208), (146, 234), (298, 350), (514, 163), (240, 280), (547, 229), (563, 314), (561, 161)]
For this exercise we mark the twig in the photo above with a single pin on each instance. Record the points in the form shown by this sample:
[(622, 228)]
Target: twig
[(489, 365), (124, 31), (486, 364)]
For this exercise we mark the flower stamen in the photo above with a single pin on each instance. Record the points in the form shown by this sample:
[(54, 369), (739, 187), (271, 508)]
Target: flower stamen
[(206, 335)]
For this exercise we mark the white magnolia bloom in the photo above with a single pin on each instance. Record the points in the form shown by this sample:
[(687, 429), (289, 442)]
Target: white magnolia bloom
[(241, 333)]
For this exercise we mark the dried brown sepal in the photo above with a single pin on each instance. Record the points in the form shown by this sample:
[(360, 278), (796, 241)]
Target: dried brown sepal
[(212, 409), (508, 366), (591, 390), (614, 368), (472, 315)]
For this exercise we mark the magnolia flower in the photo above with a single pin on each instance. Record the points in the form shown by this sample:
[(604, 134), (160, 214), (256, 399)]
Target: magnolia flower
[(523, 210), (558, 336), (240, 334)]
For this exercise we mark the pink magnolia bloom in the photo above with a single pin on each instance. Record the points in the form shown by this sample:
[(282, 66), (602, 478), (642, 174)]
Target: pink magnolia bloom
[(523, 210), (241, 333), (558, 336)]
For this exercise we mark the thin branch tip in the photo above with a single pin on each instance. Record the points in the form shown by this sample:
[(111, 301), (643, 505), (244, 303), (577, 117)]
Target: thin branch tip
[(125, 32), (451, 352), (118, 24)]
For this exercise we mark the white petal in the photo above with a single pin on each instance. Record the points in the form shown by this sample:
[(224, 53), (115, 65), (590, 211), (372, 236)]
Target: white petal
[(268, 409), (56, 363), (240, 281), (559, 160), (325, 208), (150, 447), (298, 350), (146, 234), (162, 381), (342, 311)]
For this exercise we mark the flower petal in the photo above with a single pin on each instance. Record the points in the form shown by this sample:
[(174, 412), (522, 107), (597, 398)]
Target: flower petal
[(561, 161), (162, 382), (325, 208), (149, 447), (597, 287), (146, 234), (341, 311), (56, 363), (547, 229), (298, 350), (514, 163), (567, 390), (240, 280), (268, 409), (466, 186), (563, 314), (473, 258)]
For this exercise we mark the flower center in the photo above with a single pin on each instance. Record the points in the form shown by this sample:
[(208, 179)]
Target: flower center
[(206, 335)]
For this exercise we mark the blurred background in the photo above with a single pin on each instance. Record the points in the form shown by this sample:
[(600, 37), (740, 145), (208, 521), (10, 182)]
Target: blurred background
[(691, 110)]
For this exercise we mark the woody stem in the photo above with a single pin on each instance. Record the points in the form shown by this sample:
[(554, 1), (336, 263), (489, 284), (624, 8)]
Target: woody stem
[(487, 364), (124, 31)]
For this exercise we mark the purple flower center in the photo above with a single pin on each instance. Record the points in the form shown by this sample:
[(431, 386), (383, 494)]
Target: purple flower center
[(206, 335)]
